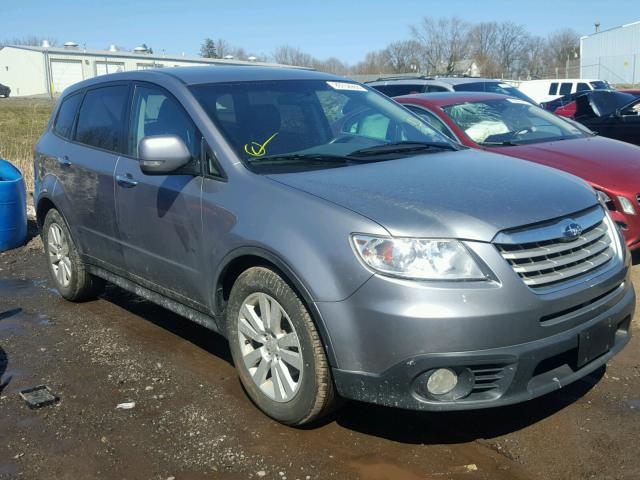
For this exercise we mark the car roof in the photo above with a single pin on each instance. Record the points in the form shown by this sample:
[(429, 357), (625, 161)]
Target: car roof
[(211, 74), (451, 98)]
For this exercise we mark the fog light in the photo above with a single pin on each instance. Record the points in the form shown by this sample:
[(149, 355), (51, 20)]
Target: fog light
[(442, 381)]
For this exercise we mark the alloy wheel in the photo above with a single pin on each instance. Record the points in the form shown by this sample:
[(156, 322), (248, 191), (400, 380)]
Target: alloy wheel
[(58, 248), (270, 347)]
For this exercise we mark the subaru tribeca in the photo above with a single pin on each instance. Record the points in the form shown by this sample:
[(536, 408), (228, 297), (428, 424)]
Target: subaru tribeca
[(341, 245)]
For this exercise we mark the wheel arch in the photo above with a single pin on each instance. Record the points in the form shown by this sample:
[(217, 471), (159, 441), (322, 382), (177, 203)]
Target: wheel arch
[(243, 258), (42, 208)]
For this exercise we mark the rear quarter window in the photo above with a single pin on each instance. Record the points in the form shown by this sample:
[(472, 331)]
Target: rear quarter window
[(63, 125), (102, 118), (397, 90), (553, 88)]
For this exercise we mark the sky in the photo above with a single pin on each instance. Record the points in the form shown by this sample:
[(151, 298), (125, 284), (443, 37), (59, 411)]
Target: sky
[(343, 29)]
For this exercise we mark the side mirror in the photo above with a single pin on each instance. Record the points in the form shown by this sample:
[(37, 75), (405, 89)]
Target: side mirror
[(162, 154)]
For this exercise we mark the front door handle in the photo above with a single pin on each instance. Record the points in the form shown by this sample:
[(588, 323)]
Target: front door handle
[(64, 161), (126, 181)]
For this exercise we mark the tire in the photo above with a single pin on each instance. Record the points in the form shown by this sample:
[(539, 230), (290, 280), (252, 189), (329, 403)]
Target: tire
[(67, 270), (301, 394)]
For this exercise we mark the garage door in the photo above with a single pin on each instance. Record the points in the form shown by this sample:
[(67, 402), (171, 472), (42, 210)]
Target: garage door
[(102, 68), (64, 74)]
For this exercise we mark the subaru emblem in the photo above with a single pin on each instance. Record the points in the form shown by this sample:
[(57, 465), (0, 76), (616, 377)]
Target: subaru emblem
[(570, 230)]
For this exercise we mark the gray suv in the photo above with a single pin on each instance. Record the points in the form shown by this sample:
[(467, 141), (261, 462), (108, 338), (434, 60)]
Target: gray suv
[(341, 245)]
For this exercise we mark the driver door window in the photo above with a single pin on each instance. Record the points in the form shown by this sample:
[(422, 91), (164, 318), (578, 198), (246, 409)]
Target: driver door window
[(157, 112)]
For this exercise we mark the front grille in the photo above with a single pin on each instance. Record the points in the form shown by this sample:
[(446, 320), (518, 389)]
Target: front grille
[(552, 261)]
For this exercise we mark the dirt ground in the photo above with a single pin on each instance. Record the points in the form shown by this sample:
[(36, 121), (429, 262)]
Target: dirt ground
[(191, 419)]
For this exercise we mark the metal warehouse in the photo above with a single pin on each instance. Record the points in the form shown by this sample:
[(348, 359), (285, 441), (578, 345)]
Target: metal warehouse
[(48, 70), (612, 55)]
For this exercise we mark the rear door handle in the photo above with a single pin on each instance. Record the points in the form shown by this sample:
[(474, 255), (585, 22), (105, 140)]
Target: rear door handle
[(64, 161), (126, 181)]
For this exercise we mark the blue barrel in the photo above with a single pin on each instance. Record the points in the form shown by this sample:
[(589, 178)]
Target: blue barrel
[(13, 207)]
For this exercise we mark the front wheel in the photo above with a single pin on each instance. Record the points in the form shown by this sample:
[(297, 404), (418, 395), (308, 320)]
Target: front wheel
[(277, 350)]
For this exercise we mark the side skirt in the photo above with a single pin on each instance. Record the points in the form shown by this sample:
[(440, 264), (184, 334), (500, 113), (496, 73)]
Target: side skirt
[(176, 307)]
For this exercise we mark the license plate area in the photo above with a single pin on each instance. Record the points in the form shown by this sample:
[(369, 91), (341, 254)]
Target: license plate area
[(595, 341)]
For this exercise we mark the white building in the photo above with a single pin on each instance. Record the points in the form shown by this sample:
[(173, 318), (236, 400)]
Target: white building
[(49, 70), (612, 55)]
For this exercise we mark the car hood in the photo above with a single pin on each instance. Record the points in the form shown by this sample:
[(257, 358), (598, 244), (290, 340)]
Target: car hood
[(467, 194), (600, 161)]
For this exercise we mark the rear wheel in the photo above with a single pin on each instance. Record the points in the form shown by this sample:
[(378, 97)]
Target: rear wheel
[(277, 350), (67, 269)]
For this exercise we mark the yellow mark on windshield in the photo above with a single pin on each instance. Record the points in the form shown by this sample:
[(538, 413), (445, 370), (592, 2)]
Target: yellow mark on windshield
[(250, 148)]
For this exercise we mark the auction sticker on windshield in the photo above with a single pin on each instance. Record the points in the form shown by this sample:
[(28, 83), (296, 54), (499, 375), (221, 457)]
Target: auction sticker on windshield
[(347, 86)]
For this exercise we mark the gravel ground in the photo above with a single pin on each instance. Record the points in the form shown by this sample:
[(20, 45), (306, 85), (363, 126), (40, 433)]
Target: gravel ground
[(191, 419)]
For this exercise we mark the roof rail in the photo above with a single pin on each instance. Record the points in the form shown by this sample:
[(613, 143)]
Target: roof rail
[(404, 77)]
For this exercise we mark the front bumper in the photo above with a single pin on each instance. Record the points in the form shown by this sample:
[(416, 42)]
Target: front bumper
[(496, 377), (507, 343)]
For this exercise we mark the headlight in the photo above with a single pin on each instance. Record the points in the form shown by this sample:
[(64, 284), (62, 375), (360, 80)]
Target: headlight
[(627, 206), (421, 259)]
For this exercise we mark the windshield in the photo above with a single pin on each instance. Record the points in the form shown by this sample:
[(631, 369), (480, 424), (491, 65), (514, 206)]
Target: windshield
[(316, 122), (600, 85), (493, 87), (509, 121)]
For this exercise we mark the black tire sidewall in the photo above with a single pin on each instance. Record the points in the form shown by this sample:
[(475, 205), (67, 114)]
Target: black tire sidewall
[(263, 280)]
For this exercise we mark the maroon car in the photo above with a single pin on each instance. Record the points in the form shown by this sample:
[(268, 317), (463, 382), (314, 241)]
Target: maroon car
[(513, 127)]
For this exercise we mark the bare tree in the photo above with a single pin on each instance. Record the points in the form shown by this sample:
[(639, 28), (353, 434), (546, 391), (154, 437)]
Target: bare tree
[(511, 47), (374, 63), (29, 41), (563, 46), (402, 56), (444, 42), (537, 57), (288, 55), (332, 65), (483, 39)]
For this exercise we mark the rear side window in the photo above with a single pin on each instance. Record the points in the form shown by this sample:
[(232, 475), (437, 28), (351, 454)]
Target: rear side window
[(102, 117), (553, 88), (395, 90), (565, 88), (582, 87), (67, 115), (435, 89)]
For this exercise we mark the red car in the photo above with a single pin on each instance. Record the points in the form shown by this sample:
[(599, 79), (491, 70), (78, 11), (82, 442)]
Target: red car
[(513, 127)]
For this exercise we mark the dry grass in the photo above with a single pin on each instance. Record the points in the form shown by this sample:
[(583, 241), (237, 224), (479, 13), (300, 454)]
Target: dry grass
[(22, 121)]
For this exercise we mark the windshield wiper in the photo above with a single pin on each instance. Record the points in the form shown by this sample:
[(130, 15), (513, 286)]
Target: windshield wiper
[(506, 143), (401, 147), (318, 158)]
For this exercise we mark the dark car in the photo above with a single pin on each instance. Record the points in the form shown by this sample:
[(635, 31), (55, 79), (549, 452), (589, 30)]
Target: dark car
[(4, 91), (611, 114), (341, 245), (562, 102), (511, 127)]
